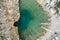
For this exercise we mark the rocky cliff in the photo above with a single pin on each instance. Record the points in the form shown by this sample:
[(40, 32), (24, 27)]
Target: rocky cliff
[(9, 13)]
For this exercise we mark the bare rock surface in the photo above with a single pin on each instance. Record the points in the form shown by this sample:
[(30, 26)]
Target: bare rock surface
[(53, 10), (9, 13)]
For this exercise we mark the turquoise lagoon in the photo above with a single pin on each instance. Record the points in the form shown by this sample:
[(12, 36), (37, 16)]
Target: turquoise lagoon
[(32, 15)]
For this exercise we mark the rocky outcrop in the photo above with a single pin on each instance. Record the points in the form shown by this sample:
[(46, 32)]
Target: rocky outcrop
[(54, 29), (9, 13)]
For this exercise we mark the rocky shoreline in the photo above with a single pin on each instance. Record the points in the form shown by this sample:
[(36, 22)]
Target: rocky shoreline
[(50, 7), (9, 13)]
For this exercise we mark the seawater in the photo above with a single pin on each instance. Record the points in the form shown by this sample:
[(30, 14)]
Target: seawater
[(32, 15)]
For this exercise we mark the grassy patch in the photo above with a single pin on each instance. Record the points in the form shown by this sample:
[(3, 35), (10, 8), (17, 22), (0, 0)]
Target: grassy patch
[(58, 4)]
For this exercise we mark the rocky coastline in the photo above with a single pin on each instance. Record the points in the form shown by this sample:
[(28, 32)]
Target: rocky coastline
[(50, 6), (9, 13)]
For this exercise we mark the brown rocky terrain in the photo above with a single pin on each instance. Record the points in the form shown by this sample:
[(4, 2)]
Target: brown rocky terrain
[(9, 13)]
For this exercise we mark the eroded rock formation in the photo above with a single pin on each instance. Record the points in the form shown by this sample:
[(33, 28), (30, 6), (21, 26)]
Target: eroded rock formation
[(9, 13)]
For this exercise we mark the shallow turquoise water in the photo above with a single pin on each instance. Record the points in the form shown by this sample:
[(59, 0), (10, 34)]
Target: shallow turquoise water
[(29, 24)]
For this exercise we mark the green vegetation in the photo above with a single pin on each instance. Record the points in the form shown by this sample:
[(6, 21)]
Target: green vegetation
[(0, 1), (3, 38), (58, 4)]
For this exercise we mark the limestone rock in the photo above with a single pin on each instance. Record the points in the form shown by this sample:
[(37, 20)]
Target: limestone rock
[(9, 13)]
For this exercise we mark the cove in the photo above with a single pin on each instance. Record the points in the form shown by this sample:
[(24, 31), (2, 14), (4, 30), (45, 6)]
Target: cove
[(29, 24)]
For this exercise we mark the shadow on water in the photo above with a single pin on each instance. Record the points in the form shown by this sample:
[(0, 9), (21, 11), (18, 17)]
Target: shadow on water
[(24, 20)]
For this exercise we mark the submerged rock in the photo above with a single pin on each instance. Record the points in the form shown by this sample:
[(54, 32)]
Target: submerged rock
[(9, 13)]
